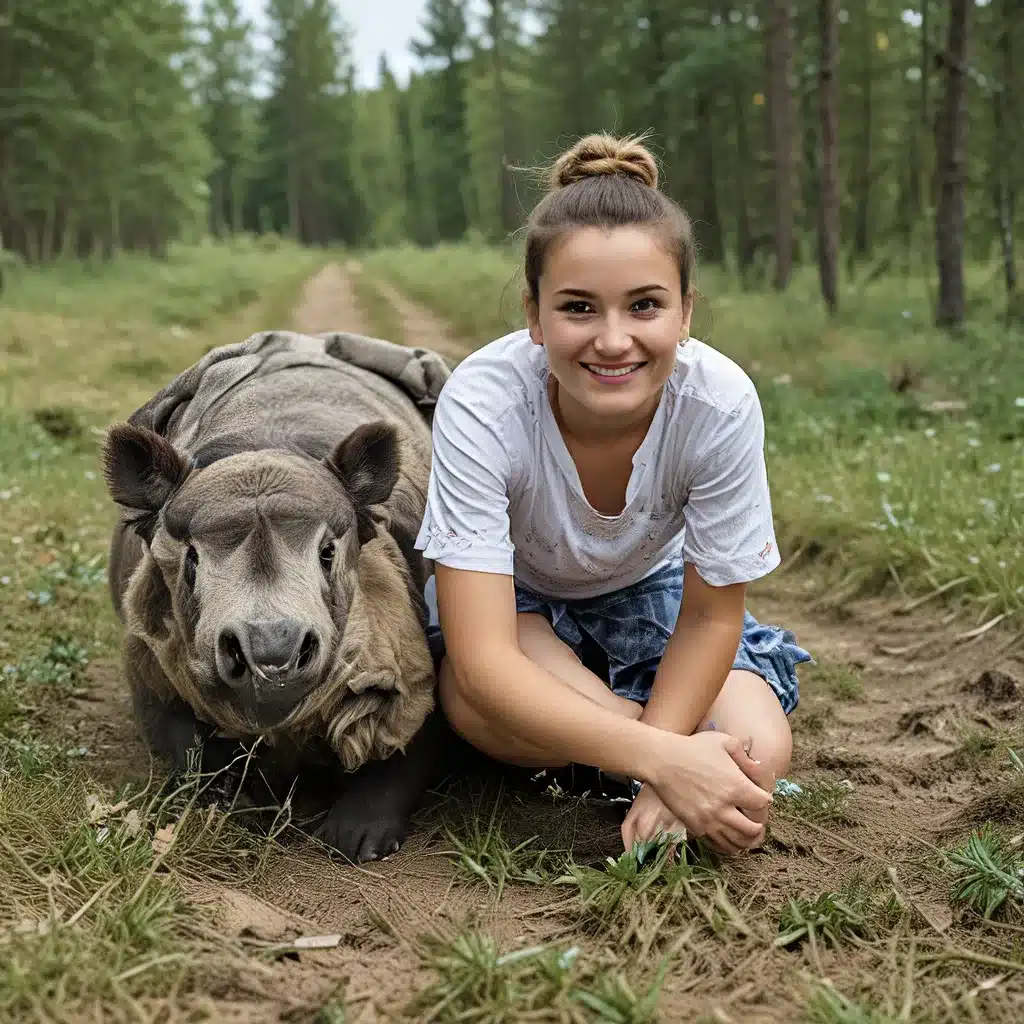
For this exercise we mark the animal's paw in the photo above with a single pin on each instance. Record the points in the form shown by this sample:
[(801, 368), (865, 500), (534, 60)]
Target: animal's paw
[(361, 832)]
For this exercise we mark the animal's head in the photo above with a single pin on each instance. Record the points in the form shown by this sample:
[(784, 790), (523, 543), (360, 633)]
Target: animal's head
[(268, 595)]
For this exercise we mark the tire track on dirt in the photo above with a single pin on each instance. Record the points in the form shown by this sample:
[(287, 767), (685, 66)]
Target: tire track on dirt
[(328, 303)]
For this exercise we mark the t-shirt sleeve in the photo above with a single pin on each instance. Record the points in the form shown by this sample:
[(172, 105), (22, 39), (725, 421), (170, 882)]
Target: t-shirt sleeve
[(729, 536), (466, 523)]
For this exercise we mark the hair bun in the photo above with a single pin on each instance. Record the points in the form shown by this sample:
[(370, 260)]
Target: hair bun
[(598, 155)]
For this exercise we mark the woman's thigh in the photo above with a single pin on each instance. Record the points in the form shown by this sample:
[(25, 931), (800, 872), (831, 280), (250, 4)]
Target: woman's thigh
[(538, 642)]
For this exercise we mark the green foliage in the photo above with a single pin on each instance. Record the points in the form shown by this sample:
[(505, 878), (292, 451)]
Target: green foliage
[(476, 981), (110, 149), (820, 801), (987, 872), (827, 1006), (482, 853), (832, 916)]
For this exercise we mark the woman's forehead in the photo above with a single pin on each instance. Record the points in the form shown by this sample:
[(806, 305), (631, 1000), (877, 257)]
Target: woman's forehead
[(617, 259)]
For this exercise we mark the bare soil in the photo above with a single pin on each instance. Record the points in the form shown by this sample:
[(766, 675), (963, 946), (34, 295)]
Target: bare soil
[(895, 745)]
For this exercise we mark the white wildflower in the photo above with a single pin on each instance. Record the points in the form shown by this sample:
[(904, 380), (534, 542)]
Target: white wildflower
[(883, 477), (993, 467), (930, 432), (973, 559), (825, 499), (974, 442)]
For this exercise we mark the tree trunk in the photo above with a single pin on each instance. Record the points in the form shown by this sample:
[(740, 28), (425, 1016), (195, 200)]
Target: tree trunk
[(828, 223), (709, 230), (951, 136), (780, 59), (1003, 162), (744, 250), (506, 195), (862, 186)]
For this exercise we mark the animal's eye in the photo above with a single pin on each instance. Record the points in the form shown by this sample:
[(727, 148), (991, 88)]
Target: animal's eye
[(327, 555), (191, 564)]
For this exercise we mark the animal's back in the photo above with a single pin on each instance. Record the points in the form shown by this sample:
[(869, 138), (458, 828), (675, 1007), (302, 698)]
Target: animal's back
[(310, 406)]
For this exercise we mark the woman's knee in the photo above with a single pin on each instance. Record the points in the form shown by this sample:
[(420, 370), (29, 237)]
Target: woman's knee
[(749, 709)]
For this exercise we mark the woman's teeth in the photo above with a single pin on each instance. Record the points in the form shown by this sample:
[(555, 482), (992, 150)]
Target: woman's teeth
[(619, 371)]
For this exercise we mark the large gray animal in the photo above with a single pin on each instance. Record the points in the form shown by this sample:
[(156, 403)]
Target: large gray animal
[(263, 567)]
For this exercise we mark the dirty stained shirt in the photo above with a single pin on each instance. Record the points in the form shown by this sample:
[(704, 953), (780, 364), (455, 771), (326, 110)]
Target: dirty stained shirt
[(505, 497)]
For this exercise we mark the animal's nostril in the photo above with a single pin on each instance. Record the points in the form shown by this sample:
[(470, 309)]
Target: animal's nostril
[(308, 649), (234, 657)]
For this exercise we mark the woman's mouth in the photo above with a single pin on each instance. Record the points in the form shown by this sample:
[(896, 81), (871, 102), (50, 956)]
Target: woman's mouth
[(613, 373)]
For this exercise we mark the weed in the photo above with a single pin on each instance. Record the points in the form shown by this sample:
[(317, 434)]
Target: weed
[(827, 1006), (483, 853), (478, 982), (92, 916), (832, 916), (987, 872), (641, 886), (813, 720), (842, 681), (820, 801), (60, 663)]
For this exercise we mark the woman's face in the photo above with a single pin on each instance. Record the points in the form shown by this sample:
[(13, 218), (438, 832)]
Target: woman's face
[(610, 313)]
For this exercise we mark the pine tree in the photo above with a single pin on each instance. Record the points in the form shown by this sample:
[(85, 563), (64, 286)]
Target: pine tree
[(227, 71), (444, 25)]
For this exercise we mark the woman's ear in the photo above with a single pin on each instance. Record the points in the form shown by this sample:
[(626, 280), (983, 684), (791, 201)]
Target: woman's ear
[(687, 314), (532, 311)]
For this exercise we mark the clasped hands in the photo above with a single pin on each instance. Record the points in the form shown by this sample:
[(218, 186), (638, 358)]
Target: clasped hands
[(708, 785)]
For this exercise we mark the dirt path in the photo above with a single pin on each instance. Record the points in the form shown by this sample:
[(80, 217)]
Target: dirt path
[(420, 327), (893, 745), (328, 303)]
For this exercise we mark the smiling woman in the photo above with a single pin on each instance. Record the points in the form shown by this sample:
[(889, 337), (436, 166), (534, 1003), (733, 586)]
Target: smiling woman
[(599, 479)]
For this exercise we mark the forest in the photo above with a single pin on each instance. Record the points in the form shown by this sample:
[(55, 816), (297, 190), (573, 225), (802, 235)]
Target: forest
[(864, 138)]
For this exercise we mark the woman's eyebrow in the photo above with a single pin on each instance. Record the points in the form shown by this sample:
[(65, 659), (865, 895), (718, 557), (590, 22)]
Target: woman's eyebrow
[(584, 294)]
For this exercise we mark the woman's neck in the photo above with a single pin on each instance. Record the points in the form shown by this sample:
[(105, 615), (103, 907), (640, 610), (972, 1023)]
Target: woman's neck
[(579, 425)]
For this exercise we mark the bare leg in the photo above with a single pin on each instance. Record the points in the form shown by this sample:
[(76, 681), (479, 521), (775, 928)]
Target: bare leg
[(538, 642), (747, 708)]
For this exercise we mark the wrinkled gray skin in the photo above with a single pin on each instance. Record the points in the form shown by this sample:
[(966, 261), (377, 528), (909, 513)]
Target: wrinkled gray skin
[(265, 571)]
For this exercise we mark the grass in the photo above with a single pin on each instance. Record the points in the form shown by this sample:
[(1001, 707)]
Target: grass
[(882, 487), (383, 319), (988, 872), (92, 917), (481, 851), (97, 910), (476, 981), (820, 801)]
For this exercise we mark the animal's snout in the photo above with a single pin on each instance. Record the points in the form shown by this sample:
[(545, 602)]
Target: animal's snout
[(266, 654)]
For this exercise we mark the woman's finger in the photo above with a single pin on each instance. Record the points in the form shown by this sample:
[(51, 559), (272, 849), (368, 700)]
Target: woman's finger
[(736, 821)]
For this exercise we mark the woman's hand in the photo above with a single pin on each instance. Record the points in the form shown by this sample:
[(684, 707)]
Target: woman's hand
[(647, 817), (705, 780)]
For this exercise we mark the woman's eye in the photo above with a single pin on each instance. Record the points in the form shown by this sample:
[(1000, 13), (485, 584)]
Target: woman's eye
[(647, 305), (327, 556), (577, 307), (191, 564)]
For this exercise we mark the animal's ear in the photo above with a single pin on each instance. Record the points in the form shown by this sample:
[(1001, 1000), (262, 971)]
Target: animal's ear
[(367, 463), (142, 470)]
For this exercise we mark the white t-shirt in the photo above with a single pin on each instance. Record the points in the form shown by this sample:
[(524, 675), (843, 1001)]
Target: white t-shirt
[(505, 496)]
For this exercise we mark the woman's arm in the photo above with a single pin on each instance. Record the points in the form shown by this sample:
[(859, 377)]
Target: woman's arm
[(699, 654), (700, 778)]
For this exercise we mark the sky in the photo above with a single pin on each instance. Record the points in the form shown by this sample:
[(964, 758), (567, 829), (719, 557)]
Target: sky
[(379, 26)]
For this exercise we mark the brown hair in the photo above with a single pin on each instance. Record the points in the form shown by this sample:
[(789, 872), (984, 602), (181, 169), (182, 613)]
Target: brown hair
[(606, 182)]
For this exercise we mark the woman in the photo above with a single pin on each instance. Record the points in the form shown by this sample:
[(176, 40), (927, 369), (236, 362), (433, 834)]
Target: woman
[(601, 474)]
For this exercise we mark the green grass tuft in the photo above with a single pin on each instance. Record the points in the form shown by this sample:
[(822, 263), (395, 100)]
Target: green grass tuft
[(827, 1006), (820, 801), (988, 873), (478, 982)]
